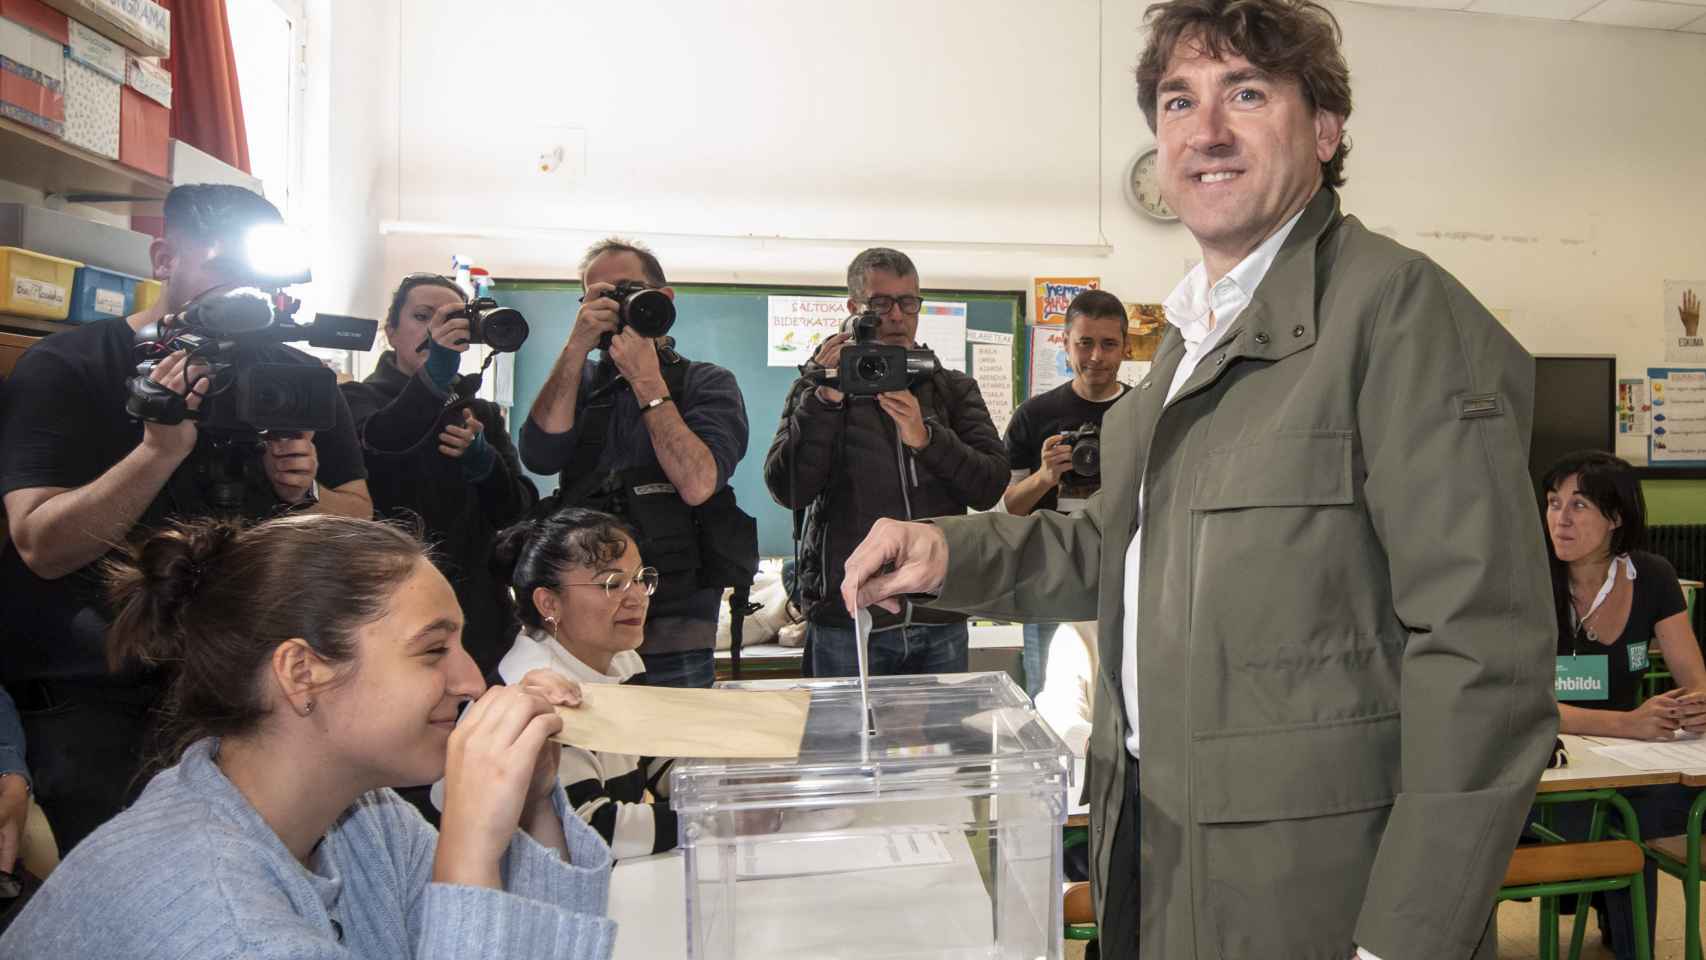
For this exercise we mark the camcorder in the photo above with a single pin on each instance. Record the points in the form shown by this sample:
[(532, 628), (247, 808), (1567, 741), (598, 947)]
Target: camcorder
[(649, 311), (223, 332), (1086, 445), (868, 367)]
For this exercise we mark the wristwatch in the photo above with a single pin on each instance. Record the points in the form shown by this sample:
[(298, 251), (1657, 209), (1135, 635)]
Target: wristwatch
[(310, 498), (656, 402)]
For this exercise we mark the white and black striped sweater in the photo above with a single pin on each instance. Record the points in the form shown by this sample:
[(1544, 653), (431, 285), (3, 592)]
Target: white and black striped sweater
[(606, 789)]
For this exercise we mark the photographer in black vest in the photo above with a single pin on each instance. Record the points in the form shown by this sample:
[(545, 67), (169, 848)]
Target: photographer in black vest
[(652, 437), (81, 475)]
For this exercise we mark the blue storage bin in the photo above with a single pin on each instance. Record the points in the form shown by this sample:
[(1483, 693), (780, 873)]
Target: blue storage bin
[(99, 294)]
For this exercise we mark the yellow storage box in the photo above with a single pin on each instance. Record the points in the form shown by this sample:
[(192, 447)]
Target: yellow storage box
[(147, 291), (35, 284)]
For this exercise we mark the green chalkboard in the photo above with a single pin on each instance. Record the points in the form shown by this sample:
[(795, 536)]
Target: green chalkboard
[(725, 325)]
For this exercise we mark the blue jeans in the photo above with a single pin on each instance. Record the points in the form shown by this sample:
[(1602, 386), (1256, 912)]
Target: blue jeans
[(920, 648), (1035, 659), (686, 668)]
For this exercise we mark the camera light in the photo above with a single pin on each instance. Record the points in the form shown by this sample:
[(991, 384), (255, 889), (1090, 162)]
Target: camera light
[(276, 252)]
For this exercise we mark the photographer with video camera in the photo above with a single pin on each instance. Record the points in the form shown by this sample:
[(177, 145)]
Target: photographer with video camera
[(1054, 439), (896, 435), (436, 451), (652, 437), (82, 474)]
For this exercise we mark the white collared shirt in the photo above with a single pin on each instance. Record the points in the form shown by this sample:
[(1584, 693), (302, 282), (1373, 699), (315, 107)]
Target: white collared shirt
[(1203, 314)]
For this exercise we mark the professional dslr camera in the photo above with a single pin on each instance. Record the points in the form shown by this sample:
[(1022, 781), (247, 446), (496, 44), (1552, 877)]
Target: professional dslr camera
[(868, 368), (1086, 447), (503, 329), (222, 331), (648, 310)]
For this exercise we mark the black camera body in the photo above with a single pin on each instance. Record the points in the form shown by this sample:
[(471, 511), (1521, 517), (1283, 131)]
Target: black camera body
[(649, 311), (1086, 445), (222, 333), (503, 329), (868, 368)]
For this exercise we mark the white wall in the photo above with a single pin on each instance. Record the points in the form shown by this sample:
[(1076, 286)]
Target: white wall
[(1556, 168)]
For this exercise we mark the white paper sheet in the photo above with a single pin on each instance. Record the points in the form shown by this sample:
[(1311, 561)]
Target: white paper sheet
[(848, 852), (1688, 754)]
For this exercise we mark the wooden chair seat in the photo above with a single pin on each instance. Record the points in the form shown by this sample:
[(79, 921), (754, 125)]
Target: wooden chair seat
[(1077, 906), (1674, 847), (1562, 862)]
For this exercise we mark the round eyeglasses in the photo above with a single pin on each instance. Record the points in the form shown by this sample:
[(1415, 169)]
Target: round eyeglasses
[(616, 584)]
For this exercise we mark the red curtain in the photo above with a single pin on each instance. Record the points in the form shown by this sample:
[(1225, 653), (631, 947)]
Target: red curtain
[(207, 112)]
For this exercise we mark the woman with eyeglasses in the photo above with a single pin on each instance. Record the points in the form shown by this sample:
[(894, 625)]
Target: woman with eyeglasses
[(451, 464), (316, 664), (581, 590)]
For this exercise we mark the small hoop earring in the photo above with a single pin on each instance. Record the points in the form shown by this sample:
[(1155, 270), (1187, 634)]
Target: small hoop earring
[(552, 623)]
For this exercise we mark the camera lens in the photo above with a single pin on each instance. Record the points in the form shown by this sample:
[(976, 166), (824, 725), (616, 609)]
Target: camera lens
[(503, 329), (1087, 457), (873, 369), (649, 312)]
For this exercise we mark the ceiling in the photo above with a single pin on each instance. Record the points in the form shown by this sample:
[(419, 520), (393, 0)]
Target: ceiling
[(1686, 16)]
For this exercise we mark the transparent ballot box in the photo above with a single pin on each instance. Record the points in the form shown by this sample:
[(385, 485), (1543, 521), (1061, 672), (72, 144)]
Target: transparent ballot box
[(930, 831)]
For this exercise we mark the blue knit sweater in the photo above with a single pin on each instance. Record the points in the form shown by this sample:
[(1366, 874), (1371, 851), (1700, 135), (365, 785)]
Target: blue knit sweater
[(192, 872)]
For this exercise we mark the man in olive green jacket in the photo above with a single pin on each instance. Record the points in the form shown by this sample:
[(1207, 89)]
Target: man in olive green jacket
[(1338, 617)]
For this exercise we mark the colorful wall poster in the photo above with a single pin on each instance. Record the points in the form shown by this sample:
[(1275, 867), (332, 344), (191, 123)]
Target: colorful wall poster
[(1634, 411), (1049, 366), (1678, 398), (942, 327), (1054, 294), (1685, 342), (798, 324), (992, 368)]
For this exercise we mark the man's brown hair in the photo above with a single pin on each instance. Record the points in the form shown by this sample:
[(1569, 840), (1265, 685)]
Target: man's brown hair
[(1295, 39)]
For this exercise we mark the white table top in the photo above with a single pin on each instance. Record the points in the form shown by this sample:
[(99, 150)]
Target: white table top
[(1589, 770)]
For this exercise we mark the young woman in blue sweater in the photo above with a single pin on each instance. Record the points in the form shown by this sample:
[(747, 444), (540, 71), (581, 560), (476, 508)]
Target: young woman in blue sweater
[(316, 661)]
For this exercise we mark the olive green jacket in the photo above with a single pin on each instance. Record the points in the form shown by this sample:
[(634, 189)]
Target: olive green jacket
[(1345, 630)]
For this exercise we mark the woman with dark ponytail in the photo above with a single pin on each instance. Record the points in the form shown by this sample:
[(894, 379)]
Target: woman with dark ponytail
[(316, 661), (581, 590)]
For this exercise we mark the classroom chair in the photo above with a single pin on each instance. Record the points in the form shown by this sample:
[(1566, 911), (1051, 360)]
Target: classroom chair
[(1680, 857), (1080, 912), (1555, 868)]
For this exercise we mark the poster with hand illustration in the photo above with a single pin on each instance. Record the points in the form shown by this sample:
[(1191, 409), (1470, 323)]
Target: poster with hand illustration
[(1684, 340)]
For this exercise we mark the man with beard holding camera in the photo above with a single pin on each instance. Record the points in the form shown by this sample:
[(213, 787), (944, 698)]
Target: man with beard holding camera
[(80, 475), (652, 437), (843, 462), (1047, 429)]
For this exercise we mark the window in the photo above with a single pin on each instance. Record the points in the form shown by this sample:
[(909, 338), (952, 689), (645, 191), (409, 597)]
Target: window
[(267, 42)]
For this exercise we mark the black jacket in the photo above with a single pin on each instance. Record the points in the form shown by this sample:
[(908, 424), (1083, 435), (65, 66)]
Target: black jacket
[(398, 419), (847, 468)]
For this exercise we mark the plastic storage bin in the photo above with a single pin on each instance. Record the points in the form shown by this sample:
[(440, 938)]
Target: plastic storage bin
[(936, 836), (35, 284), (98, 294), (147, 291)]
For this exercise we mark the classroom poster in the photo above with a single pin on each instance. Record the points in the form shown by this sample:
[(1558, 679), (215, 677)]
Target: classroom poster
[(1054, 294), (798, 324), (1634, 412), (1049, 366), (942, 327), (992, 368), (1678, 398), (1685, 342)]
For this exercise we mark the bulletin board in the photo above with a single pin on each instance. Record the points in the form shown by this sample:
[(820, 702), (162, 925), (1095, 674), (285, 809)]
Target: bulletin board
[(727, 325)]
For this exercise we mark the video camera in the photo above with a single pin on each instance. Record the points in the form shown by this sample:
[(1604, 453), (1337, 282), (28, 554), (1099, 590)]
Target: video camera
[(222, 332), (1086, 444), (647, 309), (868, 368)]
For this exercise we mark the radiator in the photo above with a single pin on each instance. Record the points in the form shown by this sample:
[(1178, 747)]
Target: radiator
[(1684, 545)]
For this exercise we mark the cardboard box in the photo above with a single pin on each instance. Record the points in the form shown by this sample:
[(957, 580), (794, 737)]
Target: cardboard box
[(38, 16), (141, 26), (144, 133), (27, 97), (149, 79), (96, 52), (75, 238), (27, 48), (91, 110)]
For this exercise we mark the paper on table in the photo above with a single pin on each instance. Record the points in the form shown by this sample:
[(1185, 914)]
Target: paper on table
[(673, 722), (847, 852), (1687, 754)]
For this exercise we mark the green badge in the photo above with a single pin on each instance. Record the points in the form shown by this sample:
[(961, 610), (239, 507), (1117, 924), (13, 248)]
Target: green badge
[(1638, 656), (1583, 678)]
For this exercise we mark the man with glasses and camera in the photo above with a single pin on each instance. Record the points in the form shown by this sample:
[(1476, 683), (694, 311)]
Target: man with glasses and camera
[(844, 457), (652, 437), (82, 474)]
